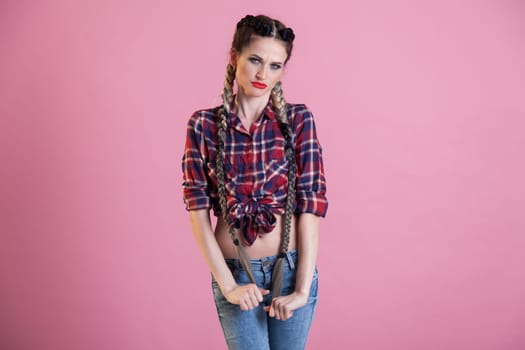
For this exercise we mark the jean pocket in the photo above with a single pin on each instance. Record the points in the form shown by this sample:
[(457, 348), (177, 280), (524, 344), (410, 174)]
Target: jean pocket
[(314, 288)]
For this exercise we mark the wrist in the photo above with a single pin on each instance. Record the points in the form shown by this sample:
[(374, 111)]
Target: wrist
[(228, 288), (302, 293)]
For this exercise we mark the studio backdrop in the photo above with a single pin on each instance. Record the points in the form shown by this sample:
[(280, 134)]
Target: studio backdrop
[(420, 111)]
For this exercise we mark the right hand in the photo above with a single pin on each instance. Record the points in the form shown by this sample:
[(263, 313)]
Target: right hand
[(247, 296)]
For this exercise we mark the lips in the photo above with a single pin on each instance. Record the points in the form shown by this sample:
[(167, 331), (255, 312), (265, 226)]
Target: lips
[(259, 85)]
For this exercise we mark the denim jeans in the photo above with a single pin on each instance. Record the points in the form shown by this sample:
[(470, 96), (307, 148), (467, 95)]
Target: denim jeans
[(254, 329)]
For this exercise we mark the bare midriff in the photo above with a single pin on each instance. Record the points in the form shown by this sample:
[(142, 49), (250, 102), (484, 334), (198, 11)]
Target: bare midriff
[(266, 244)]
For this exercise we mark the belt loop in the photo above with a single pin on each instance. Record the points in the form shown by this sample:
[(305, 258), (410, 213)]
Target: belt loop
[(290, 261)]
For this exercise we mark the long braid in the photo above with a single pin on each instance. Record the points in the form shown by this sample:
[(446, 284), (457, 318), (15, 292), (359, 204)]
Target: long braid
[(279, 105), (227, 96)]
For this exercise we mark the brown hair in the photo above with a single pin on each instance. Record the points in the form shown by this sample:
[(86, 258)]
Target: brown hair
[(262, 26)]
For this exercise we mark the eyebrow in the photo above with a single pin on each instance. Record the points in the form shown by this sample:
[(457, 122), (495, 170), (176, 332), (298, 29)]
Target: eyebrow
[(260, 58)]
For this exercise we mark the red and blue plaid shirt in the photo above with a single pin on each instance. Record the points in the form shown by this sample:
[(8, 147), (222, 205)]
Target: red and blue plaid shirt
[(256, 170)]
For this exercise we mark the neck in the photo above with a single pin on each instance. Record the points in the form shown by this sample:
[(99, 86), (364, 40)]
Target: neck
[(250, 109)]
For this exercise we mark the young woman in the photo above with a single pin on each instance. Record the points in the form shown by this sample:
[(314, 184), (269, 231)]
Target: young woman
[(257, 162)]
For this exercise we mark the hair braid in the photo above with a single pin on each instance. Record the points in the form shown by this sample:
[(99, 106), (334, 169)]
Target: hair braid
[(227, 93), (279, 105), (227, 96)]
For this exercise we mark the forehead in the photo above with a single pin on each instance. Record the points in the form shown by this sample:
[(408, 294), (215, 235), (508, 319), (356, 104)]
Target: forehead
[(268, 48)]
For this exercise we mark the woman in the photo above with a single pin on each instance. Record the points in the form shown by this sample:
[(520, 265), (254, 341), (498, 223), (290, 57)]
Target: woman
[(257, 162)]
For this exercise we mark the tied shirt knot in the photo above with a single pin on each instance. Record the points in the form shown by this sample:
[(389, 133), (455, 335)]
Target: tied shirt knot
[(252, 218)]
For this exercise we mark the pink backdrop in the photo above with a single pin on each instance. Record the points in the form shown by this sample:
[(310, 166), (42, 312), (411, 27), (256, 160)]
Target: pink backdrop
[(420, 110)]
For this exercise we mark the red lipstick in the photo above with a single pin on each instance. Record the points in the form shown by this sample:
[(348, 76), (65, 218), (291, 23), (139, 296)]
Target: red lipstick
[(259, 85)]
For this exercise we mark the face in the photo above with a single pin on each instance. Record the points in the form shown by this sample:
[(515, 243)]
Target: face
[(259, 66)]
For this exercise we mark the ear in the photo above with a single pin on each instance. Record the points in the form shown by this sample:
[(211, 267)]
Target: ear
[(233, 57)]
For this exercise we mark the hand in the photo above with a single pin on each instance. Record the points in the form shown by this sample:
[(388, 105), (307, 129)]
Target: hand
[(247, 296), (282, 307)]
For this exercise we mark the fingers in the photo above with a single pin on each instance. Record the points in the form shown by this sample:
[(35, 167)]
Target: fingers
[(254, 296), (245, 306), (280, 309), (249, 296)]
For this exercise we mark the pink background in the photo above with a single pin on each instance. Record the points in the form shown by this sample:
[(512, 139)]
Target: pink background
[(420, 109)]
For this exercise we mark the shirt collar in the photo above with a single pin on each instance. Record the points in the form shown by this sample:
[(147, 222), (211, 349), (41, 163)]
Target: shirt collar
[(267, 112)]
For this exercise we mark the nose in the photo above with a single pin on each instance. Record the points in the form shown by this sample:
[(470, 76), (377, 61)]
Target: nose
[(261, 73)]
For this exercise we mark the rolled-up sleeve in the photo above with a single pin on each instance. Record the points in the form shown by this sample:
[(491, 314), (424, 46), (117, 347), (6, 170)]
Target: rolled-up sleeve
[(311, 182), (195, 184)]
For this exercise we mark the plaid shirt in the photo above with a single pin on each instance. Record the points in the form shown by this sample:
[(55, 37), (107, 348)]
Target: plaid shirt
[(256, 170)]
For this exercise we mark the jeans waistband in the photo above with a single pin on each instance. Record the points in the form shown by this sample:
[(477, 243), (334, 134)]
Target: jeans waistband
[(265, 262)]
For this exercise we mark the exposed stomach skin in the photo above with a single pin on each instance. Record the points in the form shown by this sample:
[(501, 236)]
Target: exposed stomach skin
[(266, 244)]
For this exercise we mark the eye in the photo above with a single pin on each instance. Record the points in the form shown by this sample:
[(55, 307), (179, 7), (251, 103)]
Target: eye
[(275, 66), (254, 60)]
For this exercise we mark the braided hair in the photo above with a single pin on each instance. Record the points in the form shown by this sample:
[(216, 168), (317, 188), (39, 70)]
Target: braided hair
[(266, 27), (280, 108)]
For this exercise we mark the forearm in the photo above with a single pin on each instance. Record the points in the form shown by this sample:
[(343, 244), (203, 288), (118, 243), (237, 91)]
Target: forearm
[(205, 237), (307, 247)]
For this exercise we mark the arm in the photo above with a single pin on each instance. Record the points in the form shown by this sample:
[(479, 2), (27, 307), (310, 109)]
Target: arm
[(307, 247), (203, 233), (247, 296)]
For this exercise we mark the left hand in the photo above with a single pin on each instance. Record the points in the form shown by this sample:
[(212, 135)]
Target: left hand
[(282, 307)]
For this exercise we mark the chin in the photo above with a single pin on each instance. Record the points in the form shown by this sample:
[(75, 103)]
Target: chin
[(252, 91), (259, 93)]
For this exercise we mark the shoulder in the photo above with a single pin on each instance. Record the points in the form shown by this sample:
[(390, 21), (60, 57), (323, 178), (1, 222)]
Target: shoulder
[(203, 119), (298, 114), (297, 108)]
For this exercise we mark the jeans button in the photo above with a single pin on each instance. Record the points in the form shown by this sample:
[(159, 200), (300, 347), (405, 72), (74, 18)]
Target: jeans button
[(266, 263)]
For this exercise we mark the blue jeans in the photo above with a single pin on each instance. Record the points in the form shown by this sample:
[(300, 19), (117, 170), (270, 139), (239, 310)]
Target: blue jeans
[(254, 329)]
